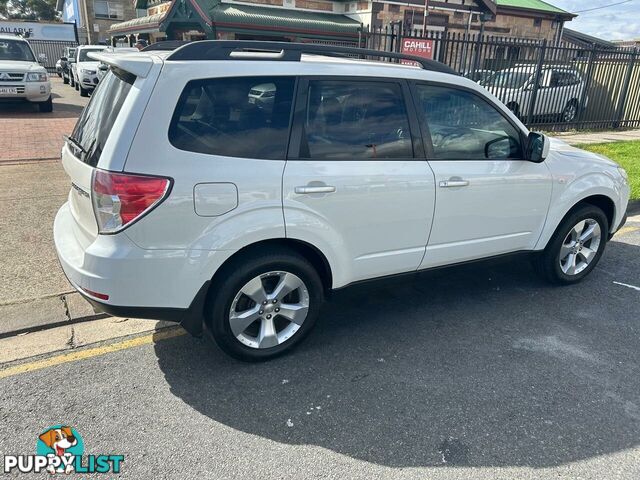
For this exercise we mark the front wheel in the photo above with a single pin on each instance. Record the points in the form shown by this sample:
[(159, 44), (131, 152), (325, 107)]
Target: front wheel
[(576, 246), (265, 305), (84, 92), (65, 80)]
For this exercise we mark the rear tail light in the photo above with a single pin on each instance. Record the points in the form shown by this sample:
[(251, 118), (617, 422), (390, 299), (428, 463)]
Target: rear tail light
[(121, 198)]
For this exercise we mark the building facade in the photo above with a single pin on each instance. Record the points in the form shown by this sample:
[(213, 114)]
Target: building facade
[(335, 21), (94, 18)]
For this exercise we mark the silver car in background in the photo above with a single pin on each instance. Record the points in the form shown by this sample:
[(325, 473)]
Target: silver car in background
[(559, 92)]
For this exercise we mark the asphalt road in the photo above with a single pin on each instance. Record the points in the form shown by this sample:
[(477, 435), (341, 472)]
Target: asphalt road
[(481, 371)]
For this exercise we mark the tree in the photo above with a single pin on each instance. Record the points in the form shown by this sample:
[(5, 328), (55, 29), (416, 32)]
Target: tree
[(37, 10)]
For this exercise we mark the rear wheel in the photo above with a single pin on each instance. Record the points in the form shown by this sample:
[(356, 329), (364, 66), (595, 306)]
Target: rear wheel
[(72, 82), (576, 246), (570, 112), (84, 92), (265, 305), (65, 79), (46, 107)]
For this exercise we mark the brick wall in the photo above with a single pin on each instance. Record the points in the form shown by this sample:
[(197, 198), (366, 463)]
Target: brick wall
[(103, 24)]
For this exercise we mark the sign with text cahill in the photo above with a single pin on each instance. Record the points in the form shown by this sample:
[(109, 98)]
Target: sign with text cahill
[(418, 47)]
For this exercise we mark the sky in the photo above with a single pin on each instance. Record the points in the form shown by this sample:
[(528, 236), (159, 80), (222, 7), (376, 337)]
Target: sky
[(619, 22)]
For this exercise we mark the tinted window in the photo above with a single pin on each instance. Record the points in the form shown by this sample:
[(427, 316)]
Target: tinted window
[(236, 117), (463, 126), (355, 120), (97, 118)]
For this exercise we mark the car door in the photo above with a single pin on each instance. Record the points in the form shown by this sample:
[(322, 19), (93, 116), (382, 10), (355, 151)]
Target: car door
[(489, 200), (356, 183)]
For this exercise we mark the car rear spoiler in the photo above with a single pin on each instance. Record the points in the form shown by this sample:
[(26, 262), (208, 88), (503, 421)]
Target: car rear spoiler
[(138, 65)]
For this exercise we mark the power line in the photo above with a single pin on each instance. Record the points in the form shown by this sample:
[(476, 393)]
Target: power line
[(603, 6)]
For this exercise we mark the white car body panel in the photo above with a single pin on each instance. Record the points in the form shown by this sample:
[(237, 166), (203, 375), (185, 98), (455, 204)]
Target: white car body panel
[(501, 210), (379, 221)]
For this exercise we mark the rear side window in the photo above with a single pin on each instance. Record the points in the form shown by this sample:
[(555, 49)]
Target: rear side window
[(355, 120), (236, 117), (97, 119)]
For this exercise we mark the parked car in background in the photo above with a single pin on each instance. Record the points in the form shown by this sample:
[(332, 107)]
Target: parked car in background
[(65, 63), (59, 67), (559, 90), (193, 204), (103, 68), (22, 77), (478, 76), (85, 69)]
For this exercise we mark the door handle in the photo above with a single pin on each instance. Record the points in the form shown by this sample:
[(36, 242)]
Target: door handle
[(315, 189), (454, 183)]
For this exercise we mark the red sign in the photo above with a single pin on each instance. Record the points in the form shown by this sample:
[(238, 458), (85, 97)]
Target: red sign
[(418, 47)]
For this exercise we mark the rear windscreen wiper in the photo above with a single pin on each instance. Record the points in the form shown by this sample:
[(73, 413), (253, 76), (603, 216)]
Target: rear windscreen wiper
[(75, 143)]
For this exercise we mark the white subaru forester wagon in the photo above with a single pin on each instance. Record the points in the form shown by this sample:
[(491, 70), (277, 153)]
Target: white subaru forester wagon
[(229, 186)]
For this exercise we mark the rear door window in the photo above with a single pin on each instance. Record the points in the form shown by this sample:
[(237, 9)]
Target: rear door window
[(244, 117), (351, 120)]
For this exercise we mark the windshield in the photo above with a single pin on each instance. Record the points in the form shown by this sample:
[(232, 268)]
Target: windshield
[(85, 58), (97, 119), (507, 79), (16, 50)]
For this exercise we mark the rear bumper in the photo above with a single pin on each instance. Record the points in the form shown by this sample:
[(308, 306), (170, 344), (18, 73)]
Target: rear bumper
[(155, 284)]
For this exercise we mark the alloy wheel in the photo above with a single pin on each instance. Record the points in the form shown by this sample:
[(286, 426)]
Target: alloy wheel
[(580, 246), (269, 309)]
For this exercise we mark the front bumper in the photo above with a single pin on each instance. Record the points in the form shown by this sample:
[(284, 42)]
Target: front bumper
[(89, 82), (29, 91)]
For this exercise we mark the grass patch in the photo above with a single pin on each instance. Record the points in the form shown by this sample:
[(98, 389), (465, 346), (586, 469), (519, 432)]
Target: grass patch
[(627, 155)]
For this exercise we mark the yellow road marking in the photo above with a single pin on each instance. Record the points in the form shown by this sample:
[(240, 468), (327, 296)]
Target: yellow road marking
[(91, 352), (627, 229)]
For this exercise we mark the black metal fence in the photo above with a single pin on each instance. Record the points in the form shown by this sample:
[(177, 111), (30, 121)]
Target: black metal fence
[(52, 51), (550, 87)]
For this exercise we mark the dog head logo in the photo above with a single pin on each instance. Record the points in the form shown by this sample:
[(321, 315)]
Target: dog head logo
[(60, 441)]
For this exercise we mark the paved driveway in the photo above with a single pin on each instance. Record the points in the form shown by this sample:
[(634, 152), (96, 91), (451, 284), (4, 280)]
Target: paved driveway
[(28, 134)]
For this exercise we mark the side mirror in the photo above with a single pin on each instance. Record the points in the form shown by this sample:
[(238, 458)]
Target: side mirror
[(537, 147), (64, 59), (103, 67), (498, 148)]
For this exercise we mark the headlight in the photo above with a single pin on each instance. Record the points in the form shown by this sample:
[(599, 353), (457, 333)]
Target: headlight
[(36, 77), (623, 172), (88, 72)]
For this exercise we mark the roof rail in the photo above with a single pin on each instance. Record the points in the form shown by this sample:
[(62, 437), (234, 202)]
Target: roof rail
[(285, 51), (166, 45)]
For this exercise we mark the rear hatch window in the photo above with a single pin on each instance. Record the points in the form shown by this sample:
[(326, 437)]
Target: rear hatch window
[(86, 143), (97, 119)]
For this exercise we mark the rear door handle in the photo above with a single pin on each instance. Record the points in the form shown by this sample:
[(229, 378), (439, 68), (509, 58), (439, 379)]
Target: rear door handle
[(315, 189), (454, 183)]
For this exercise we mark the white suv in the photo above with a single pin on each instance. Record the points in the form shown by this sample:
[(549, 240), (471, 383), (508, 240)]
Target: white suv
[(22, 78), (84, 69), (193, 202)]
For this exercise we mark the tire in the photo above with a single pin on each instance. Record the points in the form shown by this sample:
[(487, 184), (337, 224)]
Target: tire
[(84, 92), (65, 79), (572, 269), (77, 87), (72, 81), (570, 111), (46, 107), (250, 343)]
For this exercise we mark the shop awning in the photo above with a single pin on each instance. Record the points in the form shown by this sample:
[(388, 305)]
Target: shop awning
[(138, 25), (249, 17)]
